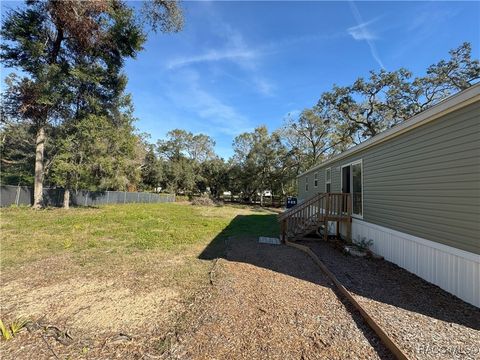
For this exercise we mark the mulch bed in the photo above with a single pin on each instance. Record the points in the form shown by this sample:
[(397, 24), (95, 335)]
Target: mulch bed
[(424, 320), (272, 302)]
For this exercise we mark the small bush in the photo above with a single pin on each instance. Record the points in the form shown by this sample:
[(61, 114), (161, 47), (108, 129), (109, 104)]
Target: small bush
[(364, 244), (202, 201), (181, 198)]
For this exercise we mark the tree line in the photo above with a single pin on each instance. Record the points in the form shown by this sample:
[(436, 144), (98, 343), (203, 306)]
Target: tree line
[(65, 111), (343, 117), (67, 120)]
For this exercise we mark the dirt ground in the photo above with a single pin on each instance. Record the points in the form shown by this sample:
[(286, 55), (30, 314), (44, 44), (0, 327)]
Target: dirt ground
[(272, 302), (123, 312), (258, 301), (424, 320)]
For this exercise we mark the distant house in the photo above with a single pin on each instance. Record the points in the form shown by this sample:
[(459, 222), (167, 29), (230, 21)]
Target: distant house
[(415, 191)]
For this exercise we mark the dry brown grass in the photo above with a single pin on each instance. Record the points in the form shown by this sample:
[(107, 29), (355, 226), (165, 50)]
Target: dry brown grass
[(106, 282)]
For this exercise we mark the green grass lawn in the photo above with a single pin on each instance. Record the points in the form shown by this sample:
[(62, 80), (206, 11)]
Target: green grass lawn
[(120, 230), (119, 268)]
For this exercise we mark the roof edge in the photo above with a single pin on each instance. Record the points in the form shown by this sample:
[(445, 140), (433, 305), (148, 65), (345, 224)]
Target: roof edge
[(452, 103)]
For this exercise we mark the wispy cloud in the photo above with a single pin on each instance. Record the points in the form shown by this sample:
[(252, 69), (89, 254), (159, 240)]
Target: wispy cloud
[(423, 26), (361, 32), (241, 53), (213, 55), (264, 86), (426, 17), (218, 117), (235, 49)]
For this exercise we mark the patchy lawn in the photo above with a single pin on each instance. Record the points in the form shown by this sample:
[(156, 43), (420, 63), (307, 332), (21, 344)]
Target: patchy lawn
[(109, 231), (95, 277)]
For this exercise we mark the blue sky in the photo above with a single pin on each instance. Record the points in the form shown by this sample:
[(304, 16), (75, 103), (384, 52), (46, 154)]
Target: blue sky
[(237, 65)]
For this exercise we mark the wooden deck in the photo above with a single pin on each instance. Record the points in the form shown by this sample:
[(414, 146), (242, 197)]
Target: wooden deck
[(315, 213)]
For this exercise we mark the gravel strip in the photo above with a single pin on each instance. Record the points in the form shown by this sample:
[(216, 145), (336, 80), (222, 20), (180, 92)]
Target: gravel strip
[(424, 320), (272, 302)]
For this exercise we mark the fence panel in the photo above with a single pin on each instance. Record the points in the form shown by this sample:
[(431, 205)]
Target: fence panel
[(9, 195), (53, 197), (98, 198), (23, 195), (130, 198)]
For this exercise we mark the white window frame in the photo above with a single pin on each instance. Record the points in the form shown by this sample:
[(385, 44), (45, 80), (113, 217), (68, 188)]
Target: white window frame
[(315, 180), (360, 161), (328, 181)]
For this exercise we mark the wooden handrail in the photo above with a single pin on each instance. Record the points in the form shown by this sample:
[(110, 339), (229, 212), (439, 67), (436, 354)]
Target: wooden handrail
[(300, 206), (318, 209), (312, 200)]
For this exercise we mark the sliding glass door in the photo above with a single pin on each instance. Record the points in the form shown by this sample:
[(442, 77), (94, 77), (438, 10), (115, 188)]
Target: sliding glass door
[(352, 183), (357, 187)]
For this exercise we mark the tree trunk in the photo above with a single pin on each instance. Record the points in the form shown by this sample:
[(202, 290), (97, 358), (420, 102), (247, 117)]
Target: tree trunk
[(66, 199), (39, 168)]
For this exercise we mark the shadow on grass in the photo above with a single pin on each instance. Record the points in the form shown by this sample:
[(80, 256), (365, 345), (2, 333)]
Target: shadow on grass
[(239, 242), (244, 230), (241, 225)]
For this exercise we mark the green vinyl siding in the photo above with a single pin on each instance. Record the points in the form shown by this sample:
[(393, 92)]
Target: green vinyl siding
[(424, 182)]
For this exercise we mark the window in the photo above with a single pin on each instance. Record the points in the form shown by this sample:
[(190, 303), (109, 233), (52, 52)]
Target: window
[(306, 183), (328, 180), (315, 180)]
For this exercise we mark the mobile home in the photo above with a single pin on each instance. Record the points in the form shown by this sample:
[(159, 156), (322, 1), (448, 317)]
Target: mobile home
[(415, 192)]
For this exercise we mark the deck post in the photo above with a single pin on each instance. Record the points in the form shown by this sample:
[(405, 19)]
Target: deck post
[(327, 215)]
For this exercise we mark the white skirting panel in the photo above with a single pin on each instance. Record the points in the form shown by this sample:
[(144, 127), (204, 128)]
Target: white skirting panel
[(454, 270)]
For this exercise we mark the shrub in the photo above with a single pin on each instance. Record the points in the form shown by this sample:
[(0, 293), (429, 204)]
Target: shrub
[(364, 244), (181, 198), (202, 201)]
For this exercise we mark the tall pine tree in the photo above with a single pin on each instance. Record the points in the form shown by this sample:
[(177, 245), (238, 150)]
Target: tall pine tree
[(46, 39)]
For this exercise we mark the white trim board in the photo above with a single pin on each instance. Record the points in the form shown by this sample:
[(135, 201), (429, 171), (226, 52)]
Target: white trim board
[(452, 103), (454, 270), (350, 164)]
